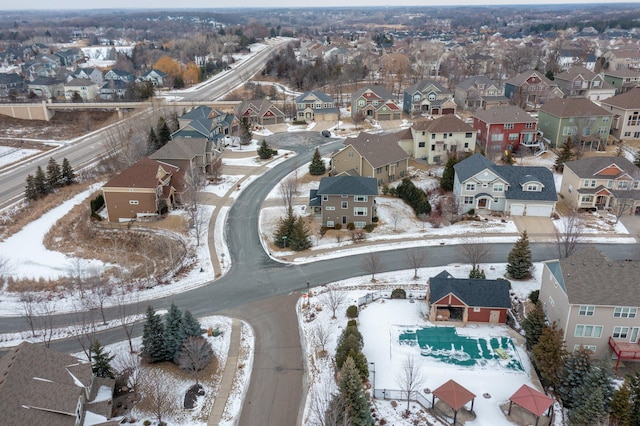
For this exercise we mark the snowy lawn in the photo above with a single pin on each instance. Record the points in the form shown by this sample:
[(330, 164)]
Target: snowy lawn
[(10, 155)]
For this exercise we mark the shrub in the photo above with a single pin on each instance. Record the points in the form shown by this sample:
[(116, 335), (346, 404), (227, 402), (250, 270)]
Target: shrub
[(358, 235), (352, 311), (352, 323), (534, 296), (337, 226), (393, 192), (471, 212), (374, 219), (147, 423), (385, 189), (351, 226), (398, 293), (370, 227)]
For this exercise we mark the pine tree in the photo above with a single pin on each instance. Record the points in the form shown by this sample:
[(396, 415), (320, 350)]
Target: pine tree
[(173, 333), (519, 261), (296, 232), (153, 337), (620, 409), (576, 367), (592, 398), (565, 154), (448, 174), (264, 150), (40, 182), (30, 191), (68, 175), (152, 142), (191, 325), (534, 324), (317, 167), (245, 132), (350, 340), (636, 160), (477, 273), (634, 384), (101, 365), (54, 174), (549, 355), (163, 132), (351, 389)]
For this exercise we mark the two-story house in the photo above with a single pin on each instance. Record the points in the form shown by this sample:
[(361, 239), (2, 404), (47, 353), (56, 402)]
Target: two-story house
[(626, 110), (89, 73), (602, 183), (516, 190), (47, 87), (530, 90), (344, 200), (113, 89), (595, 301), (115, 74), (623, 79), (373, 156), (428, 97), (188, 154), (579, 81), (156, 77), (259, 111), (623, 58), (585, 122), (504, 128), (146, 188), (81, 88), (311, 106), (207, 123), (479, 92), (375, 102), (436, 140), (10, 83)]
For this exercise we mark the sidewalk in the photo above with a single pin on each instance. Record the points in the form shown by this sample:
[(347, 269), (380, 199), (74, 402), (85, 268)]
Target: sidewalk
[(228, 376)]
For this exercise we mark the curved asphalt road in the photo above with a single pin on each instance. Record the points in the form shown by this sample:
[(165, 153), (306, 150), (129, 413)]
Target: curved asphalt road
[(274, 397)]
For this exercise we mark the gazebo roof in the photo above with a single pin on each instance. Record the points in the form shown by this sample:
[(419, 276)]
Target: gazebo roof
[(532, 400), (454, 395)]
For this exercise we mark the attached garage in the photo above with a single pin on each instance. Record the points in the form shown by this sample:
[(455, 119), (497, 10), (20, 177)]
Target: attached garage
[(539, 210), (517, 209)]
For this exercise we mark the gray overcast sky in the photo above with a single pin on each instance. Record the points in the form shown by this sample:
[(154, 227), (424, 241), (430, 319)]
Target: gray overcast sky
[(202, 4)]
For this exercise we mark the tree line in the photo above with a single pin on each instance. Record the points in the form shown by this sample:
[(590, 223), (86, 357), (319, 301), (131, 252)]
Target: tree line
[(43, 183)]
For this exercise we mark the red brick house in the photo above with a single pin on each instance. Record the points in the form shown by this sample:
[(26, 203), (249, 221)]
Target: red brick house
[(505, 127), (467, 299)]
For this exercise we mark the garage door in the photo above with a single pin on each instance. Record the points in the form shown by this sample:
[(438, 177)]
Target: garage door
[(517, 209), (541, 211)]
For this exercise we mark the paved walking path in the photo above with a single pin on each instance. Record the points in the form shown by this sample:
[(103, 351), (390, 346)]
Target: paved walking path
[(228, 376)]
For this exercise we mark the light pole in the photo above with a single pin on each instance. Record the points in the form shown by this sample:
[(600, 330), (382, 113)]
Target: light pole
[(308, 295), (374, 378)]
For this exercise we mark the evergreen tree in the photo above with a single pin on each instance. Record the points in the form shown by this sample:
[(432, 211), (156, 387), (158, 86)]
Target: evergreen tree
[(40, 182), (163, 132), (620, 409), (191, 325), (245, 132), (634, 384), (174, 333), (592, 398), (350, 341), (549, 355), (351, 389), (152, 142), (153, 337), (296, 232), (68, 175), (101, 365), (264, 150), (362, 365), (565, 154), (477, 273), (414, 196), (448, 174), (30, 191), (519, 261), (576, 367), (534, 324), (317, 167), (54, 174), (636, 159)]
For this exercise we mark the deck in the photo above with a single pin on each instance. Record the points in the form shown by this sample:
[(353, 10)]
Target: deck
[(624, 350)]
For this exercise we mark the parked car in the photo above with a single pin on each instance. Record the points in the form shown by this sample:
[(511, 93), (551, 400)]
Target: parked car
[(326, 133)]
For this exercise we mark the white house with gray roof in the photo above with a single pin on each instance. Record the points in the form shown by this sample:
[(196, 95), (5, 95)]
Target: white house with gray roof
[(516, 190), (595, 301)]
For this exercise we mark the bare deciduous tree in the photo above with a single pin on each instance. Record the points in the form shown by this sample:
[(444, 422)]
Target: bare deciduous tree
[(127, 314), (321, 335), (410, 377), (5, 267), (195, 355), (334, 299), (196, 182), (288, 190), (327, 408), (570, 235), (621, 206), (84, 329), (474, 251), (372, 264), (46, 309), (128, 366), (29, 304), (157, 393), (416, 259)]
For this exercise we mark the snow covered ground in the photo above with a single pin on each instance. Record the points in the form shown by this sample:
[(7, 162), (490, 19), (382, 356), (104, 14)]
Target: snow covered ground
[(10, 155)]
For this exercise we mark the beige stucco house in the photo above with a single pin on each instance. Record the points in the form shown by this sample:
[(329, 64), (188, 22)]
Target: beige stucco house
[(626, 110), (435, 140)]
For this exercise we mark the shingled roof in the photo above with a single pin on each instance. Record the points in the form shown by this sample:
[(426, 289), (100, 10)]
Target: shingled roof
[(573, 107), (146, 173), (443, 124), (380, 150), (626, 100), (473, 292), (347, 185), (504, 114), (588, 167)]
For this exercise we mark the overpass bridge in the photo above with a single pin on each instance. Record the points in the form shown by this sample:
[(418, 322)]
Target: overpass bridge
[(46, 110)]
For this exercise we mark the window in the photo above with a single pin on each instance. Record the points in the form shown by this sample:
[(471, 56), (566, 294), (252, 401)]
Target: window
[(433, 135), (593, 331), (620, 332), (432, 96), (532, 187), (528, 126), (586, 310), (134, 202), (466, 144), (433, 147), (344, 205), (587, 198), (379, 170), (416, 97), (609, 183), (620, 312), (468, 135), (330, 224), (421, 144), (476, 309), (623, 184), (467, 200), (360, 198), (513, 136), (634, 119), (508, 126), (498, 187), (603, 130), (592, 348), (325, 198), (359, 225), (470, 187), (360, 104), (586, 131), (497, 137), (569, 130), (589, 183), (444, 136), (360, 211)]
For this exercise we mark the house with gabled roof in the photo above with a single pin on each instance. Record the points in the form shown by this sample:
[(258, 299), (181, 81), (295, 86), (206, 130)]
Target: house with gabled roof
[(116, 74), (504, 128), (156, 77), (311, 106), (479, 92), (595, 302), (113, 89), (428, 97), (259, 111), (145, 189), (623, 79), (530, 90), (10, 82), (602, 183), (47, 87), (375, 102), (625, 108), (87, 90), (188, 154), (41, 386), (345, 199), (436, 140), (579, 118), (623, 58), (208, 123), (467, 299), (579, 81), (90, 73), (515, 190), (375, 156)]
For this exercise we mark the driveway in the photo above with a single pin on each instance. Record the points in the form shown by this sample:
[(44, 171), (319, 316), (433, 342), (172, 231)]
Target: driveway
[(538, 228), (632, 223)]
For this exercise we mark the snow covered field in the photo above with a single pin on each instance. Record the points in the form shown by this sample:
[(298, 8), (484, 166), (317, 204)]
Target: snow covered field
[(10, 155)]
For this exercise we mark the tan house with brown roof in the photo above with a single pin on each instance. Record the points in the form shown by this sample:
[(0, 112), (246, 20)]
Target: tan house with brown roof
[(626, 110), (40, 386), (374, 156), (188, 154), (147, 188), (259, 111), (436, 140)]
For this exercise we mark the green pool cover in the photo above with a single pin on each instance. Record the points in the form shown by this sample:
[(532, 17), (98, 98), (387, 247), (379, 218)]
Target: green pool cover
[(444, 344)]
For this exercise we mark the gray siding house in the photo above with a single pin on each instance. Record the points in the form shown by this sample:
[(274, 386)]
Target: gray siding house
[(345, 199)]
